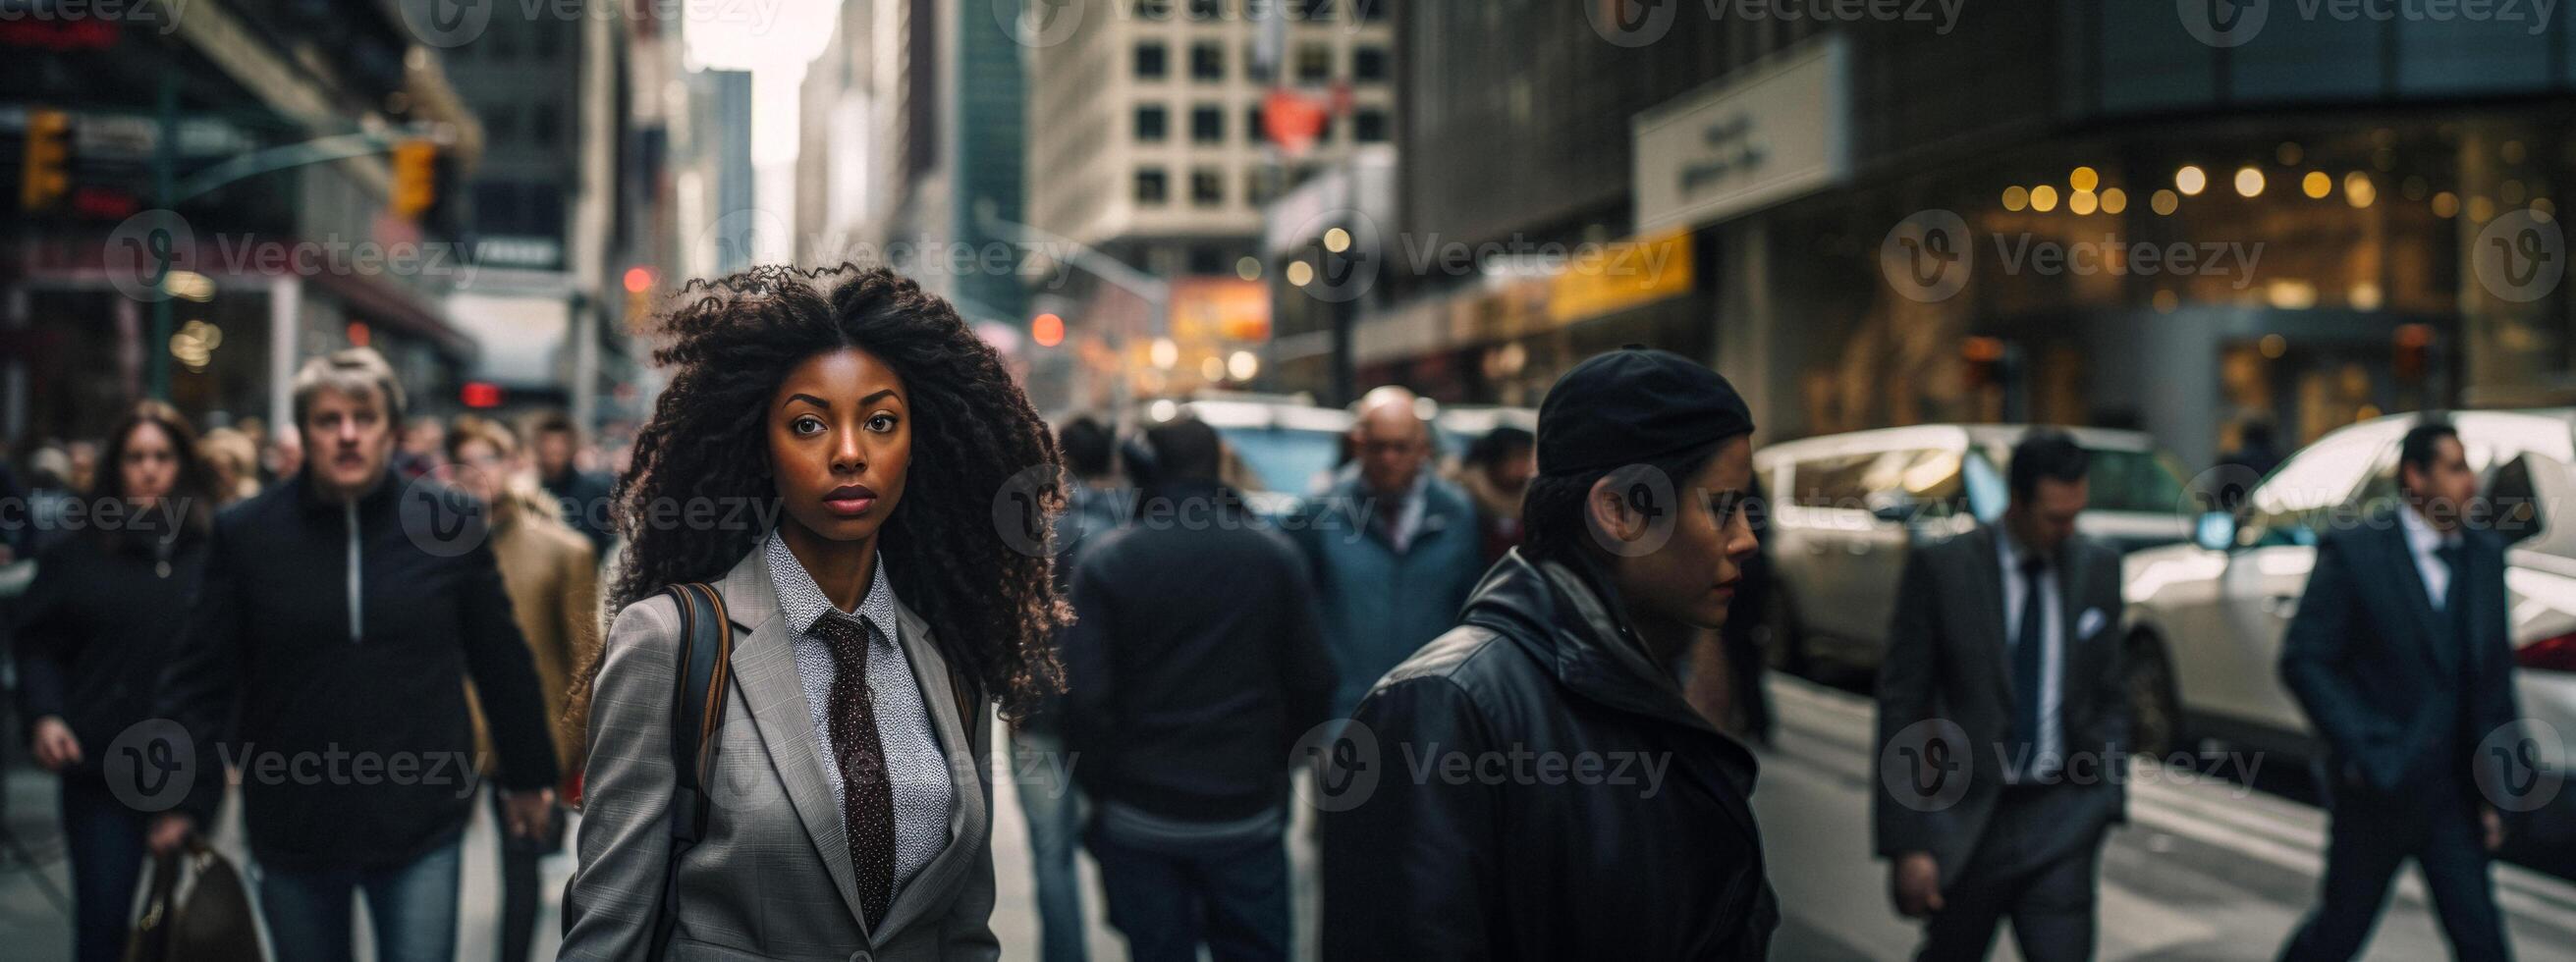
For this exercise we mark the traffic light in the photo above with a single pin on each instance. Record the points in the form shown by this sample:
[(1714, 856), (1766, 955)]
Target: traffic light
[(415, 178), (46, 174)]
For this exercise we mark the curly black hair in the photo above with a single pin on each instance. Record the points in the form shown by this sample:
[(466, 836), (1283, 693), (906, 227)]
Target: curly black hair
[(993, 606)]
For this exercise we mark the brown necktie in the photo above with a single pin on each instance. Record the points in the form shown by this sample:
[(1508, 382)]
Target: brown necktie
[(867, 799)]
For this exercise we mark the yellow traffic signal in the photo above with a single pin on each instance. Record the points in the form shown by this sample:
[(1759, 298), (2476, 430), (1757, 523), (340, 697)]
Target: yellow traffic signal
[(415, 178), (46, 175)]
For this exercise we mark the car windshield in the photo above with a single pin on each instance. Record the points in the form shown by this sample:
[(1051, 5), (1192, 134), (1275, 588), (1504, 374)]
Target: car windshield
[(2134, 481), (2119, 480), (1284, 459)]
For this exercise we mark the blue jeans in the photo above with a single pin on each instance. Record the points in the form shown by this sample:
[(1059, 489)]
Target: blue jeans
[(1047, 801), (104, 840), (1169, 902), (412, 906)]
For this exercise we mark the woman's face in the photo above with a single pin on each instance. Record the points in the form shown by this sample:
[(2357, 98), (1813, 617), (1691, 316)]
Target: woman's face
[(840, 441), (149, 467)]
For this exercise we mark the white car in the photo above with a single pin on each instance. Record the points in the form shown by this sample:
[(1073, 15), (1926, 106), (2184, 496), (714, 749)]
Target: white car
[(2205, 619), (1846, 510)]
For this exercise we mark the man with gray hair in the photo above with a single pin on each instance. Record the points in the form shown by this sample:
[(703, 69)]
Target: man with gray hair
[(1394, 549), (341, 616)]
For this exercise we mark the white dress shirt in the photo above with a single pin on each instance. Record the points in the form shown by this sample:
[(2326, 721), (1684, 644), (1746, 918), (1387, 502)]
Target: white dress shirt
[(2051, 751), (915, 766), (2421, 541)]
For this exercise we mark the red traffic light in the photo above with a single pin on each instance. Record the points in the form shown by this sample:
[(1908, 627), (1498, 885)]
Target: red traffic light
[(639, 280), (481, 394), (1047, 330)]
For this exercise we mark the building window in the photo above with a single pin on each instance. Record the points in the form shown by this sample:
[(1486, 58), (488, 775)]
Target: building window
[(1314, 62), (1153, 9), (1371, 11), (1204, 10), (1153, 123), (1206, 259), (1152, 60), (1207, 124), (1368, 63), (1151, 186), (1252, 129), (1368, 126), (1207, 60), (1207, 187), (1260, 184), (1324, 130)]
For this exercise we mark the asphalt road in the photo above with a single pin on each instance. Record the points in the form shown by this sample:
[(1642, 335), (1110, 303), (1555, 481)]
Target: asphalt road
[(2207, 868)]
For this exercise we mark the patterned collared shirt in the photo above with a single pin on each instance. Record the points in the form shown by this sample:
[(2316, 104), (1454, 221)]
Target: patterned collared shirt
[(914, 763)]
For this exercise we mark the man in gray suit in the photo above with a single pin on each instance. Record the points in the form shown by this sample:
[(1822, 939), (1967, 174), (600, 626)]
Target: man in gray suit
[(2001, 719)]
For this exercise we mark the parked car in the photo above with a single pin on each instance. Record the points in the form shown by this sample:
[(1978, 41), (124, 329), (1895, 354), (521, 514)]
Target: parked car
[(2205, 619), (1848, 508)]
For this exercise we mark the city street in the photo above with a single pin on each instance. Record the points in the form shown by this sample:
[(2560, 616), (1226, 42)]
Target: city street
[(2205, 871)]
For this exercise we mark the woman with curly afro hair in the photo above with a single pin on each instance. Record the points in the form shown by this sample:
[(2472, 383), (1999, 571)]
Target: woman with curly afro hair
[(829, 455)]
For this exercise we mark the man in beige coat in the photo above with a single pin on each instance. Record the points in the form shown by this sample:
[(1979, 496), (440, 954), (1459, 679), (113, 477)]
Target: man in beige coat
[(553, 584)]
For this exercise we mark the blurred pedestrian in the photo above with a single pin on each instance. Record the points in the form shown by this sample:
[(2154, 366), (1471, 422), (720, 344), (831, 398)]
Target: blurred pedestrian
[(83, 456), (49, 497), (1496, 472), (422, 452), (552, 580), (2044, 724), (1093, 507), (583, 494), (1533, 784), (93, 636), (1745, 641), (283, 457), (852, 798), (1393, 549), (2400, 656), (341, 616), (1182, 703), (234, 459)]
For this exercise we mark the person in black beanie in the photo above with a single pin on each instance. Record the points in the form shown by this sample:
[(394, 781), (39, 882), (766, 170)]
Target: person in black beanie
[(1534, 784)]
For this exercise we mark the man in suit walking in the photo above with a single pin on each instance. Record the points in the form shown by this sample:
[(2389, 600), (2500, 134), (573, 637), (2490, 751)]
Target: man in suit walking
[(2001, 718), (2399, 656)]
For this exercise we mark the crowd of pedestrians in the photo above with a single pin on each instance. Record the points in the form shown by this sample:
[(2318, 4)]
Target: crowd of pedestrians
[(757, 674)]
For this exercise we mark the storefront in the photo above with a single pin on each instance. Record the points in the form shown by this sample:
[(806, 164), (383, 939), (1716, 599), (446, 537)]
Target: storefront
[(2189, 278)]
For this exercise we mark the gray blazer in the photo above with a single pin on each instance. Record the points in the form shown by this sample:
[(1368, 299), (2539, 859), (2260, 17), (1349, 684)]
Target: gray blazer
[(1948, 661), (772, 878)]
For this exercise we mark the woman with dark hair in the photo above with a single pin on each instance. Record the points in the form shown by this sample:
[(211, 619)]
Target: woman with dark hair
[(94, 632), (828, 454)]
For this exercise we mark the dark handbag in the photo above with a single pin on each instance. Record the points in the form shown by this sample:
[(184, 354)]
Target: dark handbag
[(214, 922), (697, 712)]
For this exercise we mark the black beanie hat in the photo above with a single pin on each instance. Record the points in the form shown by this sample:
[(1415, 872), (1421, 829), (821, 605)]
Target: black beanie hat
[(1633, 406)]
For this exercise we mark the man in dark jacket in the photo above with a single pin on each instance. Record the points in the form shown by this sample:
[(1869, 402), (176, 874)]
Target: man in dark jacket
[(341, 615), (1094, 506), (2002, 711), (584, 495), (1192, 666), (2400, 655), (1533, 784)]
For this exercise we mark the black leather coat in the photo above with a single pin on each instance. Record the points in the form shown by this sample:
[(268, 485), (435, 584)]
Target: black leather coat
[(1530, 786)]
